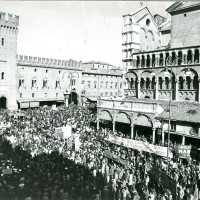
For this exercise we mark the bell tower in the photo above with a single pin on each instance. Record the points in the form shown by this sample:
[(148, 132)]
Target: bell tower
[(8, 60)]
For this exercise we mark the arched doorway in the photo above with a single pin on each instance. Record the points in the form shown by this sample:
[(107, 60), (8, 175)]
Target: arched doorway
[(73, 98), (3, 102)]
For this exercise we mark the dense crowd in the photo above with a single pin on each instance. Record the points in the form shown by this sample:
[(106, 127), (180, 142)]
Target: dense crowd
[(46, 167)]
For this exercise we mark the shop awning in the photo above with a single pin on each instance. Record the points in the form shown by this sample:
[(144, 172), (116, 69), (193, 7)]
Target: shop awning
[(92, 99)]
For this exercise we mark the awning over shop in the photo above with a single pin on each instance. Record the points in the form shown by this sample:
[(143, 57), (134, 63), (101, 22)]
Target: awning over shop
[(34, 104), (94, 99), (24, 105)]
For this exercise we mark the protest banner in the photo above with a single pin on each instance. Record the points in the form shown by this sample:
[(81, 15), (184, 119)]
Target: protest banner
[(183, 151), (168, 182), (7, 171), (115, 158), (64, 132), (139, 145)]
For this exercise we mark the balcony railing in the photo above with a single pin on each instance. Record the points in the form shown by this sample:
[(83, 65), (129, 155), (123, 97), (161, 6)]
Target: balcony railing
[(130, 106)]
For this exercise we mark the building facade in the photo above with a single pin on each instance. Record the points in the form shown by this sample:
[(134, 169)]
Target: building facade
[(165, 75), (28, 82), (100, 79)]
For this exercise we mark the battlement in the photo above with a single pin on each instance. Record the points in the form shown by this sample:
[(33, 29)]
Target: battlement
[(48, 62), (9, 19)]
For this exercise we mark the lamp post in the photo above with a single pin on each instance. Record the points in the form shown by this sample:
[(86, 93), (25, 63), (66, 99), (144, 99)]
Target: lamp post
[(167, 74)]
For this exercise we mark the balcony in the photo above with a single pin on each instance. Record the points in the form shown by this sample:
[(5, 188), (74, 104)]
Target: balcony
[(144, 107), (130, 92)]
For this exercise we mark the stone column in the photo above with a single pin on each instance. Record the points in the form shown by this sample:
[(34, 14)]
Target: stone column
[(140, 61), (176, 54), (192, 56), (97, 124), (157, 60), (191, 83), (132, 131), (154, 135), (145, 60), (113, 126), (164, 59), (150, 56), (156, 88), (183, 140), (138, 88)]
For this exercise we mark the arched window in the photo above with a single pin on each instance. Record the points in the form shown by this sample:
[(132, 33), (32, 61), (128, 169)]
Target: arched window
[(161, 60), (142, 83), (180, 57), (95, 84), (153, 83), (44, 83), (21, 82), (132, 84), (181, 81), (188, 82), (189, 56), (196, 56), (89, 84), (34, 83), (2, 75), (147, 83), (57, 83), (111, 84), (2, 41), (167, 82), (195, 82), (138, 61), (160, 83)]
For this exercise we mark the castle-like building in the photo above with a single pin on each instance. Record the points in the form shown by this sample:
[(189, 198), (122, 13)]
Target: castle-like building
[(161, 58), (28, 82)]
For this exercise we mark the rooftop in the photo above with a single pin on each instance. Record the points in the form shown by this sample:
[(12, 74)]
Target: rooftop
[(183, 111)]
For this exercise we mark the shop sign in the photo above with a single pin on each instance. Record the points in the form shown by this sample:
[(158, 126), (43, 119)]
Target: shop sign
[(183, 151)]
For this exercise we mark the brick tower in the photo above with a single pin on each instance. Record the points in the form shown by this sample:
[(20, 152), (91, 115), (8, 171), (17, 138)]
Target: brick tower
[(8, 59)]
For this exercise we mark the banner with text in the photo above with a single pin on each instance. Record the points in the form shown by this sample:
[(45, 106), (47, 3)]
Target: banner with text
[(64, 132), (139, 145), (183, 151)]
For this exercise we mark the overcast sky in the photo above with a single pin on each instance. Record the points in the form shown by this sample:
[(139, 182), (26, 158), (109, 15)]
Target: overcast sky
[(80, 30)]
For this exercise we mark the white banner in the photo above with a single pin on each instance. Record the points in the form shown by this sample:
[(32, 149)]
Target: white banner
[(139, 145), (64, 132)]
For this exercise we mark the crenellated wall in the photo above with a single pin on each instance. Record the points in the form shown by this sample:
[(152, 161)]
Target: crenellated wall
[(48, 62)]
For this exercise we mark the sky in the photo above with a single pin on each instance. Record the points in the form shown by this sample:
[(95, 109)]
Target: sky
[(79, 30)]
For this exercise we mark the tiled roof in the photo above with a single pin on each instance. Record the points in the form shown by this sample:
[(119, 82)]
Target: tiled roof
[(184, 111)]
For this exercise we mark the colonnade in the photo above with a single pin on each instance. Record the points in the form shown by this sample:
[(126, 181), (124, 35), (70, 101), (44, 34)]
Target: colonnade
[(153, 133), (179, 57)]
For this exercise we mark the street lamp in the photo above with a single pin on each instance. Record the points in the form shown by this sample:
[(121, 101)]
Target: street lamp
[(169, 75)]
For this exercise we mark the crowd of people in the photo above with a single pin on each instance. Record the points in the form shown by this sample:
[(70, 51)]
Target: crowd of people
[(46, 167)]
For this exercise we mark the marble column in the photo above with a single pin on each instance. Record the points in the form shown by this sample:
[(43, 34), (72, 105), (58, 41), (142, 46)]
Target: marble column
[(154, 135), (183, 140), (113, 126), (97, 124), (132, 131)]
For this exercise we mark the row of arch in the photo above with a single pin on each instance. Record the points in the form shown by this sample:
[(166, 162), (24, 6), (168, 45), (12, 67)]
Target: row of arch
[(138, 119), (146, 81), (178, 58)]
